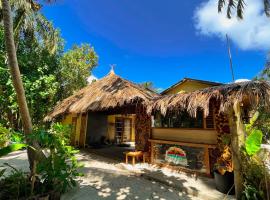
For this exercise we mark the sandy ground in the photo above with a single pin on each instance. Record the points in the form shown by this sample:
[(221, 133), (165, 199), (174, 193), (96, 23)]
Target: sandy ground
[(109, 179), (106, 179)]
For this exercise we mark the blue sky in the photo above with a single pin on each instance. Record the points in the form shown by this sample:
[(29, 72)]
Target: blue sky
[(160, 41)]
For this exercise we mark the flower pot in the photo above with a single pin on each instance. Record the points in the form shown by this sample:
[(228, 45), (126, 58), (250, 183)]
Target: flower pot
[(224, 182)]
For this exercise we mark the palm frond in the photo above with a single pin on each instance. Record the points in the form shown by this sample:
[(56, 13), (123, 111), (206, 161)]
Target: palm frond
[(221, 4), (231, 5), (240, 8), (267, 7)]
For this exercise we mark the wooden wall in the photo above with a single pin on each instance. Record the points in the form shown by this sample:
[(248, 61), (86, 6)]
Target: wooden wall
[(76, 132), (200, 136), (142, 129)]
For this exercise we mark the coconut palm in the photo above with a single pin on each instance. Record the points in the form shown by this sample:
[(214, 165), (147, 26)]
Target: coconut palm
[(24, 11), (239, 5), (29, 22)]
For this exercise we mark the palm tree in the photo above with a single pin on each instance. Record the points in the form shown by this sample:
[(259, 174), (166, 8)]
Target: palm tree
[(29, 22), (17, 81), (14, 68), (239, 5)]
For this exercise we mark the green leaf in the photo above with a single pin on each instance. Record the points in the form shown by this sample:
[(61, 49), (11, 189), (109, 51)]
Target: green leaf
[(253, 142), (11, 148), (2, 171)]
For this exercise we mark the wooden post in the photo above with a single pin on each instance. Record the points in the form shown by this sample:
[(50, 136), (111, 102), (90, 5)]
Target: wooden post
[(206, 161), (237, 141)]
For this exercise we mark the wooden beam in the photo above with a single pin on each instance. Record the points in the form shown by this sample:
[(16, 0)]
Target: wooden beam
[(183, 143), (207, 161), (237, 141)]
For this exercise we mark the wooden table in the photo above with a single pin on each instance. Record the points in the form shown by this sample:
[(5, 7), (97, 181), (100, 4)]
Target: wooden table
[(134, 155)]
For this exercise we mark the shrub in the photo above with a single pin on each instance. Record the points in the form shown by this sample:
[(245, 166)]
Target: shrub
[(5, 135), (60, 168), (15, 185)]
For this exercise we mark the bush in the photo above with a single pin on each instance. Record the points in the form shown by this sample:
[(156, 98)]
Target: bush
[(60, 168), (55, 173), (5, 135), (15, 185)]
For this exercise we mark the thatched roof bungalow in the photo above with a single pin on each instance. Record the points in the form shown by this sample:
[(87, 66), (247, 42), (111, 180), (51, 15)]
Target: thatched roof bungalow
[(197, 122), (107, 108), (187, 124)]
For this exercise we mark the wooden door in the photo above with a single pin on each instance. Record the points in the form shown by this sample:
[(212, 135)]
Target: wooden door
[(127, 130), (119, 129), (83, 130), (123, 128)]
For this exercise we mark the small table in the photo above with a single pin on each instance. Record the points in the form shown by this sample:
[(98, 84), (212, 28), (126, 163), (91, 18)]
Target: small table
[(133, 154)]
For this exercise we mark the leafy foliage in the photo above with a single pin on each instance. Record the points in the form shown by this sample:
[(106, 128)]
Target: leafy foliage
[(38, 68), (253, 142), (255, 173), (14, 185), (29, 22), (5, 135), (11, 148), (75, 68), (60, 169), (47, 78)]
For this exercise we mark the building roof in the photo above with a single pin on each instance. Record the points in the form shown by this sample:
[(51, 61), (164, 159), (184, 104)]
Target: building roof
[(210, 83), (110, 92), (249, 93)]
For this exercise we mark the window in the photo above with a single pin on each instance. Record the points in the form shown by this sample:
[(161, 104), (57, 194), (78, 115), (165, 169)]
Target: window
[(179, 120)]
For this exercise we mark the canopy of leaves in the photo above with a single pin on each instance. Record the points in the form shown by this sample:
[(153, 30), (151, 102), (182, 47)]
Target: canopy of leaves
[(75, 68), (48, 74), (38, 68), (28, 22)]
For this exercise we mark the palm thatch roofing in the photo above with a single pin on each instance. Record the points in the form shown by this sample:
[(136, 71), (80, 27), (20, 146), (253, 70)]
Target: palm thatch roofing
[(249, 93), (107, 93)]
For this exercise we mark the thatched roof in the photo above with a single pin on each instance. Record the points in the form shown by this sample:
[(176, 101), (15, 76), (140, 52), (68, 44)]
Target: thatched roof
[(107, 93), (249, 93)]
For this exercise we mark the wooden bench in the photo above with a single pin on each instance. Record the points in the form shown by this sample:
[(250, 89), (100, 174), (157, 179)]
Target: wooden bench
[(134, 155)]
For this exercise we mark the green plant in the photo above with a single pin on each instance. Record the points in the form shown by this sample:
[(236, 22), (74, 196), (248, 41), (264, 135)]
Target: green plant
[(5, 135), (251, 193), (255, 173), (253, 142), (60, 168), (17, 137), (15, 185)]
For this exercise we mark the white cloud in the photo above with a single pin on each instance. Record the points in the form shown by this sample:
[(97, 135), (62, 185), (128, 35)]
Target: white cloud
[(91, 78), (253, 32)]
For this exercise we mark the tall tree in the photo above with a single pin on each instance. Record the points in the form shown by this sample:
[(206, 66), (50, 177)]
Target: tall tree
[(16, 77), (14, 67), (76, 65), (38, 69), (239, 6), (28, 21)]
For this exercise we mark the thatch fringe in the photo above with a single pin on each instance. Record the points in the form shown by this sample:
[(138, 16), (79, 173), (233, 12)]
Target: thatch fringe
[(249, 93), (107, 93)]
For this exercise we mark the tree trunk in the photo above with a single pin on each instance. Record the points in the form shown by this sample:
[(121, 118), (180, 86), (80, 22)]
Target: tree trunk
[(15, 73), (238, 136)]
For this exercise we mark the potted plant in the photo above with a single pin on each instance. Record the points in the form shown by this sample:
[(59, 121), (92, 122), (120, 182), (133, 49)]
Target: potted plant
[(223, 173)]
